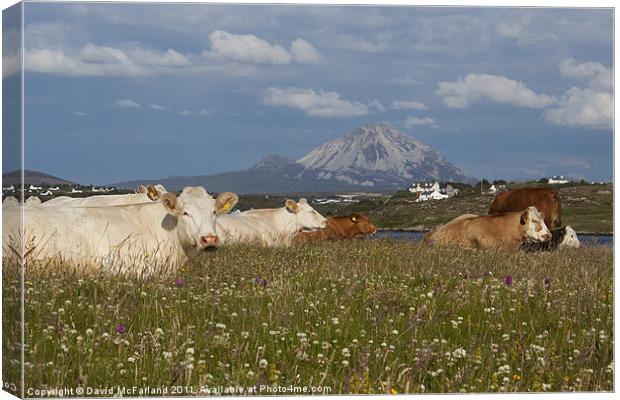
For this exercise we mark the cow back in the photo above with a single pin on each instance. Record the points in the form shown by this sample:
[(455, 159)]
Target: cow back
[(546, 200)]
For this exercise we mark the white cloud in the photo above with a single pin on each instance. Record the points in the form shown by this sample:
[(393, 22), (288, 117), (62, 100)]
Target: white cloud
[(404, 81), (495, 88), (158, 107), (408, 104), (127, 103), (376, 104), (11, 54), (417, 121), (185, 112), (349, 42), (583, 107), (254, 50), (248, 48), (305, 53), (206, 112), (92, 60), (80, 113), (314, 103), (595, 74)]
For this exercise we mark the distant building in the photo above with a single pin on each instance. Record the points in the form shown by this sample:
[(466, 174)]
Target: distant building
[(432, 191), (32, 188), (557, 180), (54, 188), (74, 190), (48, 192)]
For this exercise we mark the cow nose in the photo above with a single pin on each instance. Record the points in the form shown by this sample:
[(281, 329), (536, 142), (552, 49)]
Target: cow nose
[(209, 241), (546, 237)]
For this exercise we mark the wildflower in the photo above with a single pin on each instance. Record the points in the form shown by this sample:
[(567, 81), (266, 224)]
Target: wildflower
[(547, 283), (219, 325), (131, 359), (345, 363), (508, 280), (346, 353), (263, 363), (459, 353), (167, 355), (264, 282), (120, 328), (180, 282), (335, 321), (245, 334), (257, 279), (393, 391), (516, 377), (189, 350), (159, 331), (89, 332)]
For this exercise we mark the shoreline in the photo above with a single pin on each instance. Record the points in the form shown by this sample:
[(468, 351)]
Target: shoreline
[(417, 230)]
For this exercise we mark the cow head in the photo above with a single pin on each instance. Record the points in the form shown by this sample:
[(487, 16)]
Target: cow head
[(196, 212), (362, 224), (33, 201), (534, 226), (306, 217), (10, 201), (570, 239)]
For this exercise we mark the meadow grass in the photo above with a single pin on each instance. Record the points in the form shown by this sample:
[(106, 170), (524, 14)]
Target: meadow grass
[(365, 316)]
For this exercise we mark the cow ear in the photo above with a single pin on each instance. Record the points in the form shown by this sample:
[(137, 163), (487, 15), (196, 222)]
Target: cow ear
[(141, 189), (171, 203), (303, 201), (292, 206), (152, 192), (225, 202), (524, 215), (353, 218)]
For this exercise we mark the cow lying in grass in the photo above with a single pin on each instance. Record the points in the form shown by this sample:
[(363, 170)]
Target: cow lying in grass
[(506, 231), (562, 238), (270, 226), (338, 228)]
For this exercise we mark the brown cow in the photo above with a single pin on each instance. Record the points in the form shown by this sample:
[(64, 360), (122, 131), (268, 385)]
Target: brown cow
[(507, 230), (347, 227), (546, 200)]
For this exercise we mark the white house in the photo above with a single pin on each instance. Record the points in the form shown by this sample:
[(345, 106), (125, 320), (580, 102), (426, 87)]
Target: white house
[(431, 195), (48, 192), (32, 187), (74, 190), (557, 180), (9, 189), (54, 188), (94, 190)]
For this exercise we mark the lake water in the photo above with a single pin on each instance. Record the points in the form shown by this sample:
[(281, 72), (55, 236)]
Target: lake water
[(586, 239)]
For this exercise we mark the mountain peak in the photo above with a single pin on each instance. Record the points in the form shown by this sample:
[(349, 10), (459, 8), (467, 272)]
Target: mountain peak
[(380, 154), (271, 161)]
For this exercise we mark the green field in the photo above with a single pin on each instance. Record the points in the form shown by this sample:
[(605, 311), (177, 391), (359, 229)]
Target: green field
[(587, 208), (379, 316)]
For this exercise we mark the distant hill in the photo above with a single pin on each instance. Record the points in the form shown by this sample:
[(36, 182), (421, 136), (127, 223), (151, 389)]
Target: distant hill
[(32, 178), (372, 157)]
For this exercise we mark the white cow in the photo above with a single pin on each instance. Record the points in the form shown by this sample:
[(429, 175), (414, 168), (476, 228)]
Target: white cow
[(10, 201), (143, 195), (270, 227), (32, 201), (135, 238)]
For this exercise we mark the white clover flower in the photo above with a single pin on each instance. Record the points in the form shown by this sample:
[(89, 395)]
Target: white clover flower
[(89, 332), (159, 331), (219, 325), (345, 352), (245, 334), (167, 355), (189, 350), (131, 359), (459, 353), (335, 321), (263, 363), (345, 363)]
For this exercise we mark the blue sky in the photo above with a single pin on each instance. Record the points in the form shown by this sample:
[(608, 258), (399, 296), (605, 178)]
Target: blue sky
[(129, 91)]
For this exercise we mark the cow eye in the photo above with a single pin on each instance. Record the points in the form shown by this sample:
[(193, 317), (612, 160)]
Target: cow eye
[(185, 213)]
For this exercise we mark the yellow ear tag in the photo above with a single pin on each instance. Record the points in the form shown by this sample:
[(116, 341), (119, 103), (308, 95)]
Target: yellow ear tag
[(226, 206), (354, 219), (152, 193)]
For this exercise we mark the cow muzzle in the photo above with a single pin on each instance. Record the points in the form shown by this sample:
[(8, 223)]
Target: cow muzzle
[(546, 237), (209, 242)]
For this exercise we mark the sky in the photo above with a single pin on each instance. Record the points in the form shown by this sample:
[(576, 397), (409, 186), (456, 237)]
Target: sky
[(116, 92)]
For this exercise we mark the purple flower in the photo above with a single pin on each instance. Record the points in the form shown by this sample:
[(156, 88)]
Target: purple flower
[(264, 282), (180, 282), (486, 274), (547, 283), (120, 328), (257, 279), (508, 280)]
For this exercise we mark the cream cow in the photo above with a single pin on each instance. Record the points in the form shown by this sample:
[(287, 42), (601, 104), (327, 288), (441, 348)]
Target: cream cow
[(272, 226)]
